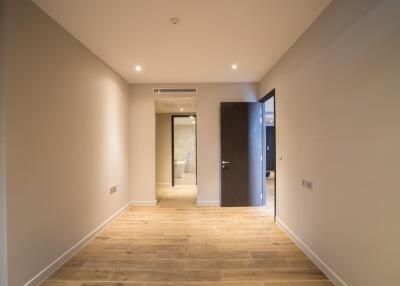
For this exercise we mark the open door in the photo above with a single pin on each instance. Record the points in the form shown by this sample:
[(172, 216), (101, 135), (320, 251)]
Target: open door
[(241, 154)]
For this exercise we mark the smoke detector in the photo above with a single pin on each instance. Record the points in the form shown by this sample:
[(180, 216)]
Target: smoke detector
[(175, 20)]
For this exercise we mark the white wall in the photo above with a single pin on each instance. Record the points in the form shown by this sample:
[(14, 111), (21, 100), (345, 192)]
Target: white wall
[(337, 99), (3, 205), (67, 141), (208, 148)]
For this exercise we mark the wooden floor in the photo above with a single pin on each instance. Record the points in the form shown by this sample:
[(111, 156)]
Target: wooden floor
[(177, 243)]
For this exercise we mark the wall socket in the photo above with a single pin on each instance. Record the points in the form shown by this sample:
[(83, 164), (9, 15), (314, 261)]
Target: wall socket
[(113, 189), (306, 184)]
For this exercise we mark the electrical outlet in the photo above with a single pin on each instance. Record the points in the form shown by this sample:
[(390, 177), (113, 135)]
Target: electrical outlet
[(113, 189), (306, 184)]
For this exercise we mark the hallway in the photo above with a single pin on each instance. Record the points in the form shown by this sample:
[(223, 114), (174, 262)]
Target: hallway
[(178, 243)]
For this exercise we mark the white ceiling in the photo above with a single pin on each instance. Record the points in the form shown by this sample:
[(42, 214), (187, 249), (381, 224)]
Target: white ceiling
[(212, 35)]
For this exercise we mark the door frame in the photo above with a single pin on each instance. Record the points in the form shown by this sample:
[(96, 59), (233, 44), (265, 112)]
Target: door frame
[(173, 143), (269, 95)]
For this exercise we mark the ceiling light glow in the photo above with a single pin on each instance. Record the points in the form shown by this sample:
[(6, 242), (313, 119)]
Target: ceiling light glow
[(181, 109), (234, 67), (138, 68)]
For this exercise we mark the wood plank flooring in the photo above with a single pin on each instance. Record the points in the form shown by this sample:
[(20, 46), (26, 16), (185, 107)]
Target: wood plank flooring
[(177, 243)]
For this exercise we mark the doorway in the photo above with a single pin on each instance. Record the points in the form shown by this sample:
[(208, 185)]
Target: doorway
[(176, 148), (269, 140)]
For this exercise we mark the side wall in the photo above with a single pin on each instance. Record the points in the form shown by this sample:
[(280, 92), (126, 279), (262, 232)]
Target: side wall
[(208, 148), (67, 141), (143, 145), (3, 205), (337, 99)]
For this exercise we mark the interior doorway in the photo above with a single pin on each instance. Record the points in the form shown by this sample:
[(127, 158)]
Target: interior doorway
[(176, 147), (269, 120)]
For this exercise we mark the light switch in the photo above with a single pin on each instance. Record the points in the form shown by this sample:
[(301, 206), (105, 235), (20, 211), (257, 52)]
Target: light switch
[(113, 189)]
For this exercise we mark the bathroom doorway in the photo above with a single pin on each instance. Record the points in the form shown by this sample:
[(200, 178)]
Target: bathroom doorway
[(184, 150)]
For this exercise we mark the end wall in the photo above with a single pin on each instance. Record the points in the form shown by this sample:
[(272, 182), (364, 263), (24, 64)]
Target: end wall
[(67, 141), (337, 99), (208, 100)]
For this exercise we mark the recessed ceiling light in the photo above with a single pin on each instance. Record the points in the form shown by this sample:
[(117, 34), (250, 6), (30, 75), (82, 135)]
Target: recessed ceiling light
[(181, 109), (234, 67), (191, 116), (138, 68)]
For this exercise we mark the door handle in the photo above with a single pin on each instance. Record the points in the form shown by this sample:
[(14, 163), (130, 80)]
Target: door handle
[(225, 164)]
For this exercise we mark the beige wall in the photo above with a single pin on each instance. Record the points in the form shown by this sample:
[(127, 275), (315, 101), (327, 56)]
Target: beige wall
[(67, 142), (143, 145), (163, 149), (337, 99), (208, 149), (3, 213)]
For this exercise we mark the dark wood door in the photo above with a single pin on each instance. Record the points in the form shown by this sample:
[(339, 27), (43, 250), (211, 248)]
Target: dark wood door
[(270, 148), (241, 154)]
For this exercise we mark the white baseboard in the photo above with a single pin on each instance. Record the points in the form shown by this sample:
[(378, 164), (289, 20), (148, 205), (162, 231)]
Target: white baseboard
[(166, 185), (332, 276), (184, 186), (45, 273), (144, 203), (208, 203)]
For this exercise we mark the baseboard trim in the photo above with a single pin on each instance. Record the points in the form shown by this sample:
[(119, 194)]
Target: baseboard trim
[(163, 184), (144, 203), (208, 203), (332, 276), (45, 273)]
